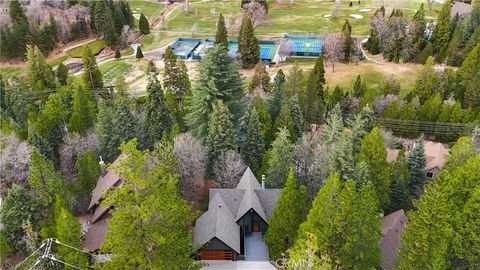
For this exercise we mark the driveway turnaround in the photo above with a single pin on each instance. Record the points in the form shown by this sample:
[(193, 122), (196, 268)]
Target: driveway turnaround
[(238, 265)]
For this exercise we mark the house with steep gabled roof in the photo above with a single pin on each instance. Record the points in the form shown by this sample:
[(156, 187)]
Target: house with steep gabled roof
[(236, 220), (95, 235)]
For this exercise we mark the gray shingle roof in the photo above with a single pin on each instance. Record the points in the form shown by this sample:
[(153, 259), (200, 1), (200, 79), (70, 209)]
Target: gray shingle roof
[(392, 228), (217, 222), (221, 222)]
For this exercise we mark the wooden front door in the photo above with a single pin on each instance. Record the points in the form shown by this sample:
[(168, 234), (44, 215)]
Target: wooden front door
[(255, 226)]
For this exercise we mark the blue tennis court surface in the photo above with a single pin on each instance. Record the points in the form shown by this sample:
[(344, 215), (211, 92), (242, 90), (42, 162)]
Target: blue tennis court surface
[(265, 53)]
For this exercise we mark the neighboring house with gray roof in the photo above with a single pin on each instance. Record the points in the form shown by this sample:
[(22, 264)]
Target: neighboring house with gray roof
[(460, 8), (232, 215), (392, 229)]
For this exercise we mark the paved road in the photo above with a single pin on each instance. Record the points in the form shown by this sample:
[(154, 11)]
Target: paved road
[(238, 265)]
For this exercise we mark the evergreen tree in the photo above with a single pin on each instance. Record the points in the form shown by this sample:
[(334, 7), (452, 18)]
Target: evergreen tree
[(348, 45), (92, 77), (43, 180), (221, 36), (441, 33), (460, 152), (17, 209), (425, 83), (105, 127), (469, 232), (139, 54), (285, 120), (348, 238), (424, 242), (295, 84), (416, 163), (279, 77), (40, 74), (177, 86), (313, 98), (254, 146), (248, 47), (88, 171), (20, 33), (399, 197), (150, 198), (468, 72), (333, 128), (287, 216), (425, 54), (118, 55), (277, 100), (104, 23), (297, 118), (261, 80), (420, 26), (280, 160), (62, 74), (472, 92), (359, 88), (221, 133), (42, 145), (83, 111), (341, 158), (218, 79), (126, 126), (373, 152), (68, 231), (265, 119), (144, 25), (157, 120)]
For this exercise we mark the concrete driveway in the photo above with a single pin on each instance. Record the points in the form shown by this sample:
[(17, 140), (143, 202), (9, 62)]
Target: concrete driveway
[(238, 265)]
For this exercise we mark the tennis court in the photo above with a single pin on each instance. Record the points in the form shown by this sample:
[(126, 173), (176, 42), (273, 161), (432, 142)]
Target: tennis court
[(305, 45), (184, 47)]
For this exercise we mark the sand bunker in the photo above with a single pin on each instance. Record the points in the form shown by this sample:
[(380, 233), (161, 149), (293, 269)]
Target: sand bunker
[(356, 16), (365, 10), (327, 15)]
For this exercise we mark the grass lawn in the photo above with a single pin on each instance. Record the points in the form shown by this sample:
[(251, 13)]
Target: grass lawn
[(304, 16), (95, 46), (114, 68), (12, 71), (148, 8), (56, 61)]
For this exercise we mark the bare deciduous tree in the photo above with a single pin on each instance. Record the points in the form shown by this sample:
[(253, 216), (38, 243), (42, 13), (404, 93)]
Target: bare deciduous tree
[(187, 7), (213, 11), (191, 162), (334, 47), (284, 49), (194, 29), (335, 11), (381, 103), (74, 145), (257, 13), (310, 158), (430, 5), (228, 169), (14, 158)]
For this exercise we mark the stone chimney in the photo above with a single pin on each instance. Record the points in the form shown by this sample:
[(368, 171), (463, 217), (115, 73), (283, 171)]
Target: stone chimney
[(102, 166), (263, 181)]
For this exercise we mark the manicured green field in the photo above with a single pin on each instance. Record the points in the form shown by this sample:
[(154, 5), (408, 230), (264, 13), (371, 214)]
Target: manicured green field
[(148, 8), (95, 46), (303, 16)]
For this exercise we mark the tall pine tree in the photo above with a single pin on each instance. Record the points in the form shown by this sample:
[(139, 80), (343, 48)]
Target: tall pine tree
[(416, 163), (83, 112), (92, 77), (144, 25), (254, 146), (221, 36), (218, 79), (313, 98), (248, 47), (287, 216), (441, 33), (157, 120), (221, 133), (280, 160)]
